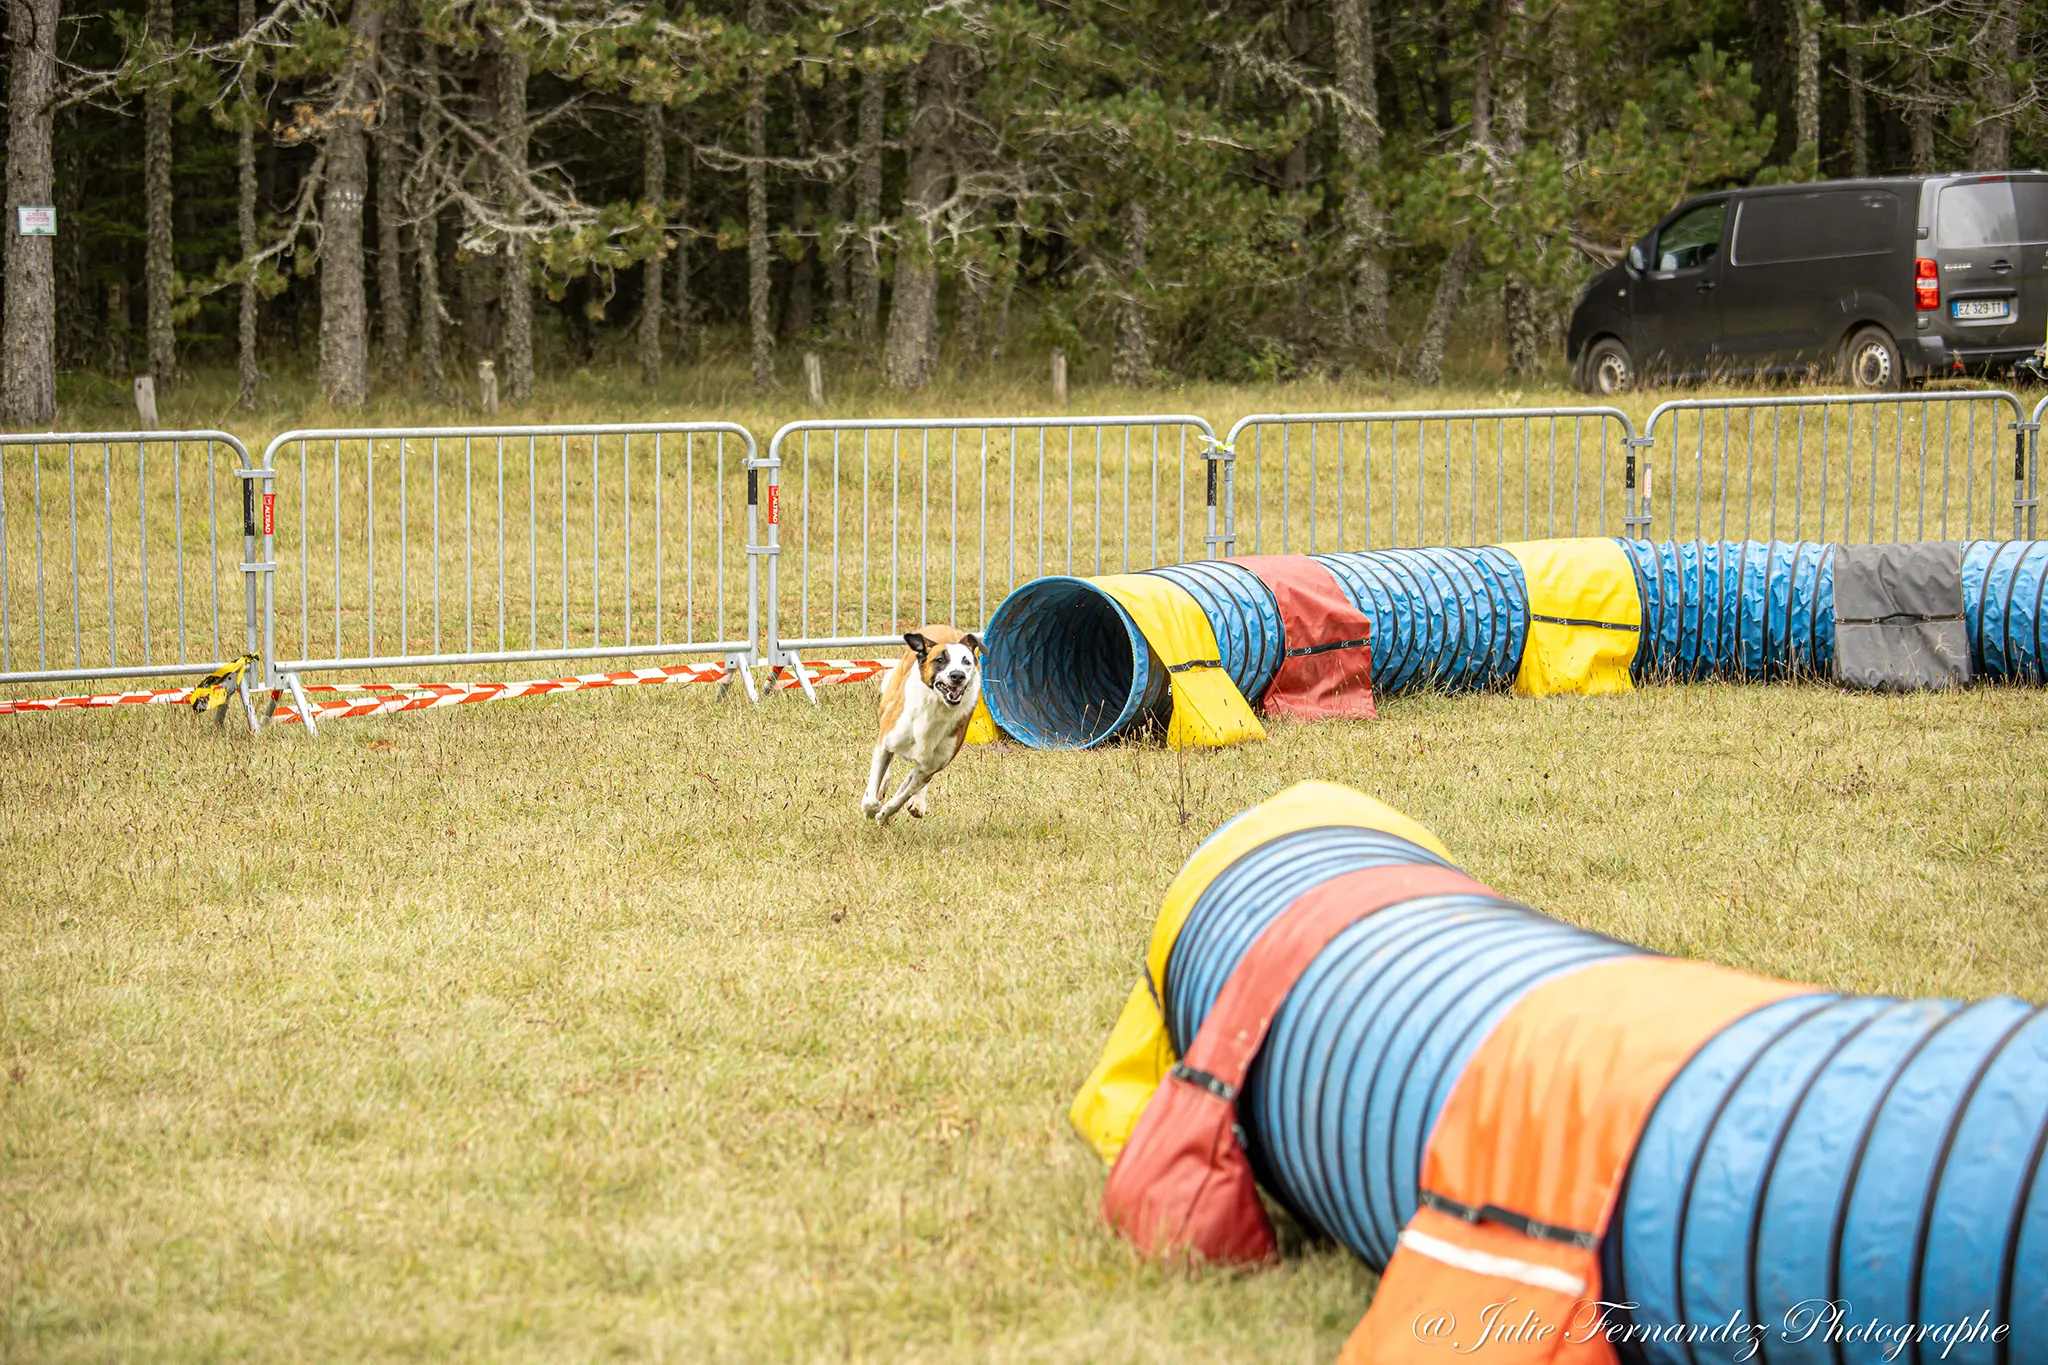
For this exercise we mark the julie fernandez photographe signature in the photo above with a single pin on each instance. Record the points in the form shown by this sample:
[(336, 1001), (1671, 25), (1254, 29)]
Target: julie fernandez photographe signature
[(1810, 1320)]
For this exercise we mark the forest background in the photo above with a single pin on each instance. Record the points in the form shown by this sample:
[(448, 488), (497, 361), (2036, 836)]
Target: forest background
[(384, 195)]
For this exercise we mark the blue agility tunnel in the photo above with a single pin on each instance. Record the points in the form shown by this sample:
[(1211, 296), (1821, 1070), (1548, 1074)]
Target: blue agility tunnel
[(1067, 666), (1806, 1149)]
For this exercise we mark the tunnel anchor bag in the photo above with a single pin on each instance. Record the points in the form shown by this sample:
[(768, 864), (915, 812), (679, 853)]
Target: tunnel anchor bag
[(1183, 1185), (1899, 623)]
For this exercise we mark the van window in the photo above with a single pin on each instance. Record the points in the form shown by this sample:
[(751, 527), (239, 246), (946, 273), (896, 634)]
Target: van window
[(1993, 213), (1692, 238), (1774, 229)]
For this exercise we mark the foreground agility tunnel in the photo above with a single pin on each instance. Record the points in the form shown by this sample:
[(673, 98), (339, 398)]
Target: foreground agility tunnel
[(1070, 665), (1662, 1160)]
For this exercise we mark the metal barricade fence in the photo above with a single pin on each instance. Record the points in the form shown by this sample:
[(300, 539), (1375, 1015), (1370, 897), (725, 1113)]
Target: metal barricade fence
[(857, 505), (136, 548), (1847, 467), (2032, 500), (1324, 481), (456, 546), (462, 546)]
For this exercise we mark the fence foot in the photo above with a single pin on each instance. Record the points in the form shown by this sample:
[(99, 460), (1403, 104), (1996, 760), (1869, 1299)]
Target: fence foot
[(803, 676), (305, 708), (249, 711), (738, 668)]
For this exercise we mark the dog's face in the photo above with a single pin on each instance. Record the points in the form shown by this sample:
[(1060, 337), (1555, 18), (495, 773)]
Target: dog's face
[(948, 670)]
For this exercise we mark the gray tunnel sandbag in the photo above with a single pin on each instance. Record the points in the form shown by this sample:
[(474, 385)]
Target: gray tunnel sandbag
[(1066, 667), (1451, 618), (1887, 1153), (1734, 609), (2003, 610)]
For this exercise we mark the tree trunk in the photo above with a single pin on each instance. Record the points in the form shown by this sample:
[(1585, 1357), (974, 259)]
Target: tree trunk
[(246, 373), (344, 309), (1807, 20), (1998, 52), (1775, 37), (427, 251), (1436, 329), (1564, 96), (763, 334), (1518, 301), (975, 281), (911, 350), (838, 200), (653, 186), (516, 372), (393, 324), (685, 310), (1294, 170), (1457, 268), (1859, 113), (425, 213), (1133, 347), (1920, 112), (158, 268), (28, 341), (1358, 136), (867, 210)]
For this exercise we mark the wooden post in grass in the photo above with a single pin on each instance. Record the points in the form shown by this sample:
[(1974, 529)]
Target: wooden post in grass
[(487, 386), (1059, 375), (145, 402), (814, 379)]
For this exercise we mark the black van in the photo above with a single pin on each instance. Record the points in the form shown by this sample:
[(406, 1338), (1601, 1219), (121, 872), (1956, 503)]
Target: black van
[(1878, 282)]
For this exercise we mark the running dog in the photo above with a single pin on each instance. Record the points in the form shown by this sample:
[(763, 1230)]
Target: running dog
[(927, 700)]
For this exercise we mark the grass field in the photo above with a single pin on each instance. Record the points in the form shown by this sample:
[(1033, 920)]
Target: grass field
[(603, 1027)]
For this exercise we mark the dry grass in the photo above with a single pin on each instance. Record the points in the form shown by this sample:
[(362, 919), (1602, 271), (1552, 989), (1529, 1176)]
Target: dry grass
[(602, 1026)]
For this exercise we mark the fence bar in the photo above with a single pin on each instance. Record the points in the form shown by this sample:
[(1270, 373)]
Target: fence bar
[(1058, 494), (1373, 458), (1847, 471), (132, 547), (371, 527)]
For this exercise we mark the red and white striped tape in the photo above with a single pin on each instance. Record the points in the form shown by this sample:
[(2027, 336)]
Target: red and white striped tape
[(170, 696), (390, 698)]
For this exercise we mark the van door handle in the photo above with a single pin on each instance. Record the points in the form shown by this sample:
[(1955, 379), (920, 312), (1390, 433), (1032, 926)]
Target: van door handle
[(2000, 267), (1705, 285)]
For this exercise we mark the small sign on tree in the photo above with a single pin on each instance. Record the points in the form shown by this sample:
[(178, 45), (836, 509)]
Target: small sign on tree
[(36, 220)]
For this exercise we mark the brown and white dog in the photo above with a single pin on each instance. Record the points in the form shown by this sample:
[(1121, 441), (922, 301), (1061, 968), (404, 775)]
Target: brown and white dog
[(927, 701)]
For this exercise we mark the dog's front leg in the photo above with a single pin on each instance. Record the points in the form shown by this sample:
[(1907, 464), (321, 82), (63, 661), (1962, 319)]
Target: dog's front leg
[(878, 768), (912, 785)]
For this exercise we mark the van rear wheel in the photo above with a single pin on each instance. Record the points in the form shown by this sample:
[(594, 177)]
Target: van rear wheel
[(1607, 369), (1870, 362)]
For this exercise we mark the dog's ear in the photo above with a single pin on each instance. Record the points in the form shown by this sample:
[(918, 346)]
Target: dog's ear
[(973, 642), (918, 644)]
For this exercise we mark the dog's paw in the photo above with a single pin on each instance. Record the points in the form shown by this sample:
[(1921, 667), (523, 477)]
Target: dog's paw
[(868, 806), (916, 807)]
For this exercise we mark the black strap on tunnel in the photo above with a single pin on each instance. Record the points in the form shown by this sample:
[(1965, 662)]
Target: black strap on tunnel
[(1220, 1088), (1575, 621), (1508, 1218), (1194, 663), (1330, 648)]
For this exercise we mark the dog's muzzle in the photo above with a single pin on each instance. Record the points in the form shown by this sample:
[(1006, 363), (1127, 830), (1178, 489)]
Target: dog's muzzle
[(951, 692)]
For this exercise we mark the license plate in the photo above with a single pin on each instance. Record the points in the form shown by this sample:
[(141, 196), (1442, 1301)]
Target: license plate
[(1981, 308)]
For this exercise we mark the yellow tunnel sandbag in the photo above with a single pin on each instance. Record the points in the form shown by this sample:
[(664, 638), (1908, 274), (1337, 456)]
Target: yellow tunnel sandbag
[(1585, 617), (1208, 710), (1139, 1054), (981, 726)]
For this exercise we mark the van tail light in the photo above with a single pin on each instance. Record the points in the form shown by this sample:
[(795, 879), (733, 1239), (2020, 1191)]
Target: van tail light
[(1926, 286)]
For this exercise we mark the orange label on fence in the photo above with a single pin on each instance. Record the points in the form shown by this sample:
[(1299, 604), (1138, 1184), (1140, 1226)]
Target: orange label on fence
[(774, 503), (269, 514)]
